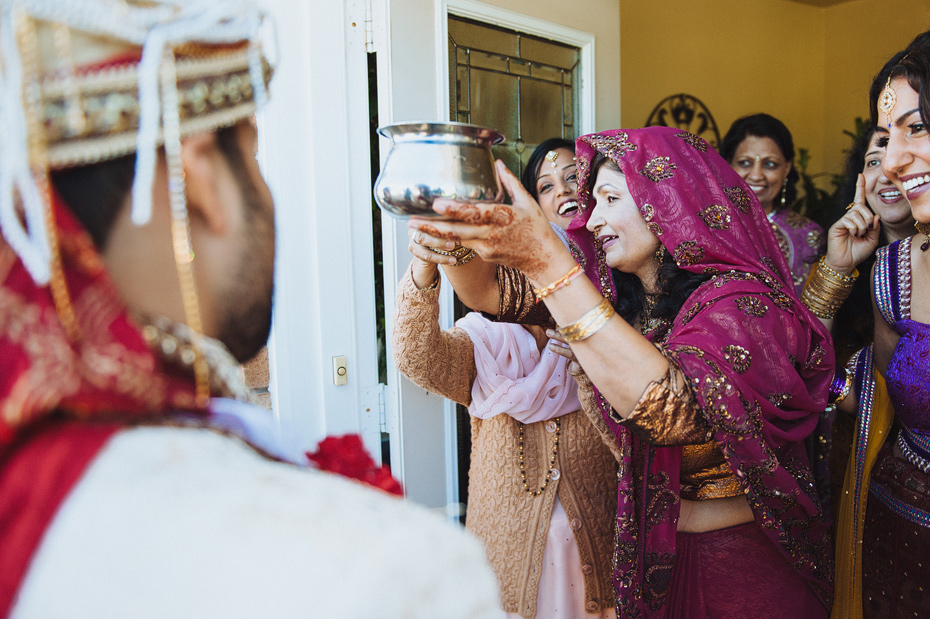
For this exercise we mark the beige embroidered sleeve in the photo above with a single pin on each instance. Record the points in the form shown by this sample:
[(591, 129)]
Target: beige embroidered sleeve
[(442, 362), (593, 412)]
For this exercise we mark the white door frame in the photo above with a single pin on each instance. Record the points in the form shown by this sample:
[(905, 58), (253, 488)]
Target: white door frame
[(314, 153)]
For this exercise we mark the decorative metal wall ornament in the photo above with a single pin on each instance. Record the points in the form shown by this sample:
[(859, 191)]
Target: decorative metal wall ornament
[(686, 112)]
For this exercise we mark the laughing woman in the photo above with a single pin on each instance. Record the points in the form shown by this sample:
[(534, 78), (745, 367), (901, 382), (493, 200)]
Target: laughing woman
[(761, 150), (883, 529), (705, 385), (540, 484)]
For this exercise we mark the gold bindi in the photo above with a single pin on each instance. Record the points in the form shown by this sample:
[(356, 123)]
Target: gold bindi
[(551, 156)]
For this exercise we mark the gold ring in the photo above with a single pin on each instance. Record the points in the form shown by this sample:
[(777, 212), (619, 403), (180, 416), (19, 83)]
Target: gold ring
[(851, 204)]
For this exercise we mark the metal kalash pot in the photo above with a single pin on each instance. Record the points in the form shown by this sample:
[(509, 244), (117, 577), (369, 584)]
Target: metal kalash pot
[(436, 160)]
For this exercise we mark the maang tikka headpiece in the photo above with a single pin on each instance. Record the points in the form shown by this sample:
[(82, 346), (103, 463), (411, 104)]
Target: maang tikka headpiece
[(889, 98), (151, 72), (551, 156)]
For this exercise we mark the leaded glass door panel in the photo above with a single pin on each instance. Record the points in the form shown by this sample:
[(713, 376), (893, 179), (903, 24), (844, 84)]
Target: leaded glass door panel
[(523, 86)]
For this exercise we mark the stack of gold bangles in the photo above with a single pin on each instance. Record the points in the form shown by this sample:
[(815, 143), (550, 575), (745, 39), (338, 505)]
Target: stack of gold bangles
[(589, 324), (462, 254), (826, 290)]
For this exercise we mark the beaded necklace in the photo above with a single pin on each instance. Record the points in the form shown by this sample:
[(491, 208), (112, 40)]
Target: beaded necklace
[(552, 473)]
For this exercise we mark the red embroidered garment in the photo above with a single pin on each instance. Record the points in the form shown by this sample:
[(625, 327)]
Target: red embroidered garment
[(108, 374)]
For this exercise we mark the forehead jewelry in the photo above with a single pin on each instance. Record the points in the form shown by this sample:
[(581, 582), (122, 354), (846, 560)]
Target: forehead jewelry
[(889, 97), (551, 156), (887, 101)]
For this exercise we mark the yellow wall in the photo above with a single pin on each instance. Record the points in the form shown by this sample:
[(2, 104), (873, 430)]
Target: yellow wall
[(861, 36), (737, 57), (809, 66)]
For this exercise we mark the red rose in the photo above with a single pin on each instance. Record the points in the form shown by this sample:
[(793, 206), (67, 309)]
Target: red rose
[(346, 456)]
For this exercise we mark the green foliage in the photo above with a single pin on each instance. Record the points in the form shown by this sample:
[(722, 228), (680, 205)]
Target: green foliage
[(813, 200)]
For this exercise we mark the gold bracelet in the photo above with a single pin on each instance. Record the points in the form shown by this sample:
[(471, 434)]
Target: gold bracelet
[(589, 324), (565, 280), (832, 273), (432, 286)]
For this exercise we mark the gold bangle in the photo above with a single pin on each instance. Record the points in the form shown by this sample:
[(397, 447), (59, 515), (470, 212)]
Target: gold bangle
[(565, 280), (826, 290), (832, 273), (589, 324), (433, 285)]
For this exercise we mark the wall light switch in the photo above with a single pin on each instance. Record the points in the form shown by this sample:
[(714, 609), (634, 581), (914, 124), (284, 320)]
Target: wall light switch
[(340, 371)]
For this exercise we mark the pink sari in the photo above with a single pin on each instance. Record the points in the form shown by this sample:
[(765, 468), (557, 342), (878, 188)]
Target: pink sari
[(759, 364)]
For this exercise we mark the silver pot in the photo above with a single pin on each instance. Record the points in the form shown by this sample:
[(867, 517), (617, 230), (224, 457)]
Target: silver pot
[(436, 160)]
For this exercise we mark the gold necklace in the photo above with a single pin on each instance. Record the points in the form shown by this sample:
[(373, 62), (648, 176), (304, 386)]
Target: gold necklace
[(172, 342), (550, 472), (646, 322)]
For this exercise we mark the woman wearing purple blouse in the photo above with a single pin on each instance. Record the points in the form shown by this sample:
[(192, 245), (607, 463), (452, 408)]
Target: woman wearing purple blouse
[(761, 150)]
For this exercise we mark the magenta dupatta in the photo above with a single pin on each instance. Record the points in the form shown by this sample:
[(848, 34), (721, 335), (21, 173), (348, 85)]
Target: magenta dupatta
[(759, 362)]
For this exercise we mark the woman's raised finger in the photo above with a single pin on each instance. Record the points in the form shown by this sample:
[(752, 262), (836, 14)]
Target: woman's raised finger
[(859, 198), (857, 223)]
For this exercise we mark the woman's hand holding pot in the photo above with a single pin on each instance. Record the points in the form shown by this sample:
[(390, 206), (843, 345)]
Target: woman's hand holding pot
[(516, 235)]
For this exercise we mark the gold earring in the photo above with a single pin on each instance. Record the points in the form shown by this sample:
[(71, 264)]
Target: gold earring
[(784, 191), (924, 229)]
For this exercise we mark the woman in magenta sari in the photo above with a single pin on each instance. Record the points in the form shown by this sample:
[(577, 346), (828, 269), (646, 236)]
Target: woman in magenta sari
[(705, 388)]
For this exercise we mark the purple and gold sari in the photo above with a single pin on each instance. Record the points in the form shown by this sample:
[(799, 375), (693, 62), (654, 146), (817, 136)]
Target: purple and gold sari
[(759, 364)]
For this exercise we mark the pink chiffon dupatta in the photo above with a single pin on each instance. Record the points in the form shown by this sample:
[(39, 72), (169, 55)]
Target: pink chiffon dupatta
[(514, 377), (759, 363)]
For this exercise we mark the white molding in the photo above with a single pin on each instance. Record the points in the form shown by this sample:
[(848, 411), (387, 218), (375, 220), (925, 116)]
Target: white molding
[(481, 11), (314, 143)]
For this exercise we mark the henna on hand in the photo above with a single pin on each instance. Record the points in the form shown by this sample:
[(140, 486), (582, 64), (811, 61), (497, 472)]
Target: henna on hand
[(433, 231), (517, 246), (497, 215)]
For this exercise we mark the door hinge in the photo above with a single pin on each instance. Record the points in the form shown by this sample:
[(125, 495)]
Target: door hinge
[(382, 407), (369, 29)]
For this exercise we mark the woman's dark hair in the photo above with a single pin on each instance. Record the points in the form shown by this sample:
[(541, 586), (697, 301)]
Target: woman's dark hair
[(675, 284), (763, 126), (913, 64), (531, 171)]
